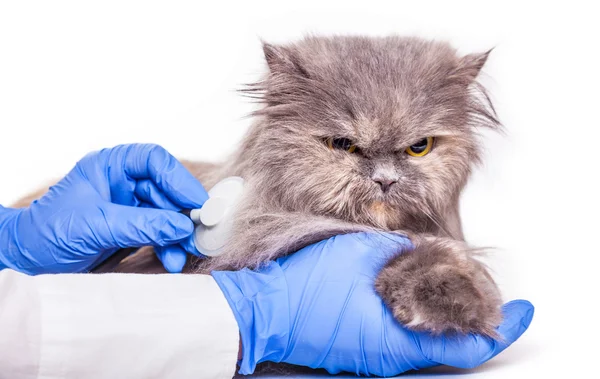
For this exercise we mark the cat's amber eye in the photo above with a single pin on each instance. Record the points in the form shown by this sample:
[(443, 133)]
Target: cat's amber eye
[(421, 148), (341, 144)]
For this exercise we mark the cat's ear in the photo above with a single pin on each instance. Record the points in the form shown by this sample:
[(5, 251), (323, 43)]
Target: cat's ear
[(470, 65), (281, 60)]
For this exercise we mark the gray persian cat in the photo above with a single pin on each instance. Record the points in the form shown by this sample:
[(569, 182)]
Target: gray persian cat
[(360, 134)]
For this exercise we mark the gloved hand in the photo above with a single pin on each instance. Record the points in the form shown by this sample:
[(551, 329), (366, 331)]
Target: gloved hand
[(108, 201), (318, 308)]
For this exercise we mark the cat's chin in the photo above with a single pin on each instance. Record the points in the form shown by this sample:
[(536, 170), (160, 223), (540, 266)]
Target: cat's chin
[(383, 216)]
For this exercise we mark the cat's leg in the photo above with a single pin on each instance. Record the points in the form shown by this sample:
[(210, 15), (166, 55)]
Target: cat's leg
[(270, 236), (442, 288), (260, 237)]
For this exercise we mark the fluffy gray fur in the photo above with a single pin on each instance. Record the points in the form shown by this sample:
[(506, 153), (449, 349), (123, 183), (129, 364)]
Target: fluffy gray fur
[(383, 94)]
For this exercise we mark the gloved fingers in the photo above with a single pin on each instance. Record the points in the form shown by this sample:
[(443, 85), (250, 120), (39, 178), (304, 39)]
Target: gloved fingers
[(473, 350), (189, 245), (173, 257), (153, 162), (517, 317), (149, 194), (143, 204), (138, 226)]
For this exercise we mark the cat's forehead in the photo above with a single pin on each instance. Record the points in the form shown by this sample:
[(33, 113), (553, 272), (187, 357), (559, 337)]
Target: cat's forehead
[(377, 66), (385, 91)]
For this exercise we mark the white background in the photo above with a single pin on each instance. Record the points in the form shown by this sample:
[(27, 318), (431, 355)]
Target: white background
[(77, 76)]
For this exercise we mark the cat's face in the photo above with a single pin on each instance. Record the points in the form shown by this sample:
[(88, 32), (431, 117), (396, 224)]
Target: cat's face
[(375, 131)]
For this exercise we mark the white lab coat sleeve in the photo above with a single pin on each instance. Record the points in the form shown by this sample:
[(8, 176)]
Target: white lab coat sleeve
[(115, 326)]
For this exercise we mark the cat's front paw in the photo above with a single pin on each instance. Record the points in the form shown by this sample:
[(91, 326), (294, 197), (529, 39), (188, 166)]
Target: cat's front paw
[(439, 287)]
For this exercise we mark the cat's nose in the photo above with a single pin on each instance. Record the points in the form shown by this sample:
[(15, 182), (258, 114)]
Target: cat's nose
[(385, 184)]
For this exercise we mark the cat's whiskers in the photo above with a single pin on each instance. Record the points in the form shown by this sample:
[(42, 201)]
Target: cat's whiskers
[(429, 213)]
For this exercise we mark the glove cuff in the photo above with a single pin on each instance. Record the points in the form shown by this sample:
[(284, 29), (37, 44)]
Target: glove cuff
[(9, 246), (259, 301)]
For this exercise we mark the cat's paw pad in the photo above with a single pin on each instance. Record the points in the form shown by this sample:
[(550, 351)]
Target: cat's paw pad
[(441, 291)]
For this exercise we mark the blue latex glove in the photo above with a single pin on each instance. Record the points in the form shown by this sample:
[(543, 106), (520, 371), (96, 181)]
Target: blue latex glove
[(318, 308), (108, 201)]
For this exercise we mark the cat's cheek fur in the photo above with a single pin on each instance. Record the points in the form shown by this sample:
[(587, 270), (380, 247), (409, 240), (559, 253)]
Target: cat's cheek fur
[(440, 287)]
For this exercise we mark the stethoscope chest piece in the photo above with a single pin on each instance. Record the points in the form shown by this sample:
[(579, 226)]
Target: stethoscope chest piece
[(214, 221)]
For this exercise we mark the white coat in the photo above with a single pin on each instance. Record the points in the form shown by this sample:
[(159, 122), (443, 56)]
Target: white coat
[(115, 326)]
